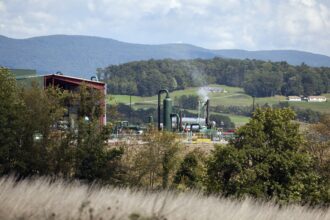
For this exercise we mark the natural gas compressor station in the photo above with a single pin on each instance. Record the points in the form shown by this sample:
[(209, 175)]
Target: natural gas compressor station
[(192, 130)]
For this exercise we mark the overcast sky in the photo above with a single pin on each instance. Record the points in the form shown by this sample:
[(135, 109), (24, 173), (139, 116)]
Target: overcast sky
[(213, 24)]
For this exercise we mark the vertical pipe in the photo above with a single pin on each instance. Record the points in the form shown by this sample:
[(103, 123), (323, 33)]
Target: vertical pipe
[(158, 107), (177, 120)]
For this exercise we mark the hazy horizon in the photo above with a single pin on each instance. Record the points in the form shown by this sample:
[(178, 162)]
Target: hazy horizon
[(302, 25)]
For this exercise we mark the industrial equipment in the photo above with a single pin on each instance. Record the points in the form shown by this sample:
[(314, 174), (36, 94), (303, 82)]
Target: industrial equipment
[(176, 122), (192, 129), (167, 110)]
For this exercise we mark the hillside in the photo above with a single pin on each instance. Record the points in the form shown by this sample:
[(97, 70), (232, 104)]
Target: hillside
[(81, 55), (258, 78)]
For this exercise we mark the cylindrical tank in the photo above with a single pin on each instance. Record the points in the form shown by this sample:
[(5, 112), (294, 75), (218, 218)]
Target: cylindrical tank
[(167, 113)]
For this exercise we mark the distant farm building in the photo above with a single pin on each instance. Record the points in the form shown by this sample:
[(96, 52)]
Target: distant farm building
[(69, 83), (316, 99), (294, 98)]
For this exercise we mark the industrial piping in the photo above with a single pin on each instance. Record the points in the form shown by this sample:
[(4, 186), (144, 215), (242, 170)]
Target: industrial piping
[(177, 120), (159, 96), (207, 103)]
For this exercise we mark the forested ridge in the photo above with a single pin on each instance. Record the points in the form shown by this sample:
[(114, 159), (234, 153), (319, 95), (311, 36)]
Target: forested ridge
[(81, 55), (258, 78)]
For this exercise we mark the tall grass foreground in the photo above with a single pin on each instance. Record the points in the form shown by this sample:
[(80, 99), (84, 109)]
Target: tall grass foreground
[(43, 198)]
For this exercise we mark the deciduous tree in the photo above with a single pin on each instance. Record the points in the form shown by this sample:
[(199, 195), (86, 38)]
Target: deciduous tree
[(266, 160)]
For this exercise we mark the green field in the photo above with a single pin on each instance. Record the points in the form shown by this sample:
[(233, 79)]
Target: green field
[(238, 119), (233, 96)]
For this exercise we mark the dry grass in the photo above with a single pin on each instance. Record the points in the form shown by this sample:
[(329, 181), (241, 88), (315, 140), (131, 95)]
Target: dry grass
[(42, 199)]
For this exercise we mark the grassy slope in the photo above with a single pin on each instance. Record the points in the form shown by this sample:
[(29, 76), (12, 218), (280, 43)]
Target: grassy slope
[(44, 199), (234, 96)]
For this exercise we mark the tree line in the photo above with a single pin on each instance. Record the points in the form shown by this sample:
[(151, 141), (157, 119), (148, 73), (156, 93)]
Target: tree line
[(258, 78)]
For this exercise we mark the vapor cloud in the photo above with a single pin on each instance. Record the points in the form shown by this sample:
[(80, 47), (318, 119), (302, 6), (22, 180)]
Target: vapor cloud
[(214, 24)]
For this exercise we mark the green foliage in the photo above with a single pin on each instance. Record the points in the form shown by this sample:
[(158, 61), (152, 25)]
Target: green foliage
[(35, 112), (318, 145), (261, 83), (191, 171), (258, 78), (304, 115), (42, 110), (233, 109), (222, 121), (136, 116), (93, 160), (187, 102), (155, 163), (88, 100), (266, 161), (96, 163), (10, 113)]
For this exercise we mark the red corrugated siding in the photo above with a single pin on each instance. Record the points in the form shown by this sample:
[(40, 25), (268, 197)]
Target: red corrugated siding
[(77, 81)]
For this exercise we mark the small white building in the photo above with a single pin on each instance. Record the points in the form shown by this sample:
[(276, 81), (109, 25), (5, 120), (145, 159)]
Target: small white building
[(294, 98), (316, 99)]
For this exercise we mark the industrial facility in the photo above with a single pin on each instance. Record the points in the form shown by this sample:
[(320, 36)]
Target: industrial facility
[(192, 129), (198, 129)]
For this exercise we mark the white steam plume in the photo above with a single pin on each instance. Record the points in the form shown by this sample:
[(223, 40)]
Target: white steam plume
[(203, 93)]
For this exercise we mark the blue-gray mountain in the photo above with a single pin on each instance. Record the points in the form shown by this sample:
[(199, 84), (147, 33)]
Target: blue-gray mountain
[(81, 55)]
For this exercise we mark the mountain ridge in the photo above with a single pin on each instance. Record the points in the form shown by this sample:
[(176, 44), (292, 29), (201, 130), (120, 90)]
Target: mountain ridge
[(81, 55)]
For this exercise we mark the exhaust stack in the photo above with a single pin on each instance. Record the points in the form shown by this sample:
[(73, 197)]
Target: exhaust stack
[(207, 119), (167, 110)]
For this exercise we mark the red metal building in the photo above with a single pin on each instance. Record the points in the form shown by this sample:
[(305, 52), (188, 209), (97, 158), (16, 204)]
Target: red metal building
[(72, 84)]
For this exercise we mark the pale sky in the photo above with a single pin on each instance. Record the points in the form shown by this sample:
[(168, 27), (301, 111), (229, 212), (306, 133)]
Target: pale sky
[(213, 24)]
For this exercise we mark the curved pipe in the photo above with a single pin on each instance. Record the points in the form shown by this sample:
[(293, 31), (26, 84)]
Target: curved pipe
[(94, 78), (159, 96)]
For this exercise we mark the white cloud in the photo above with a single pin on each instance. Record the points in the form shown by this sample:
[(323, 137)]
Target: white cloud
[(2, 7), (216, 24)]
